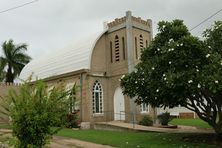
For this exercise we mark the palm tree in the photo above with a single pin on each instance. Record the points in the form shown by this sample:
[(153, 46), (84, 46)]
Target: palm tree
[(13, 60)]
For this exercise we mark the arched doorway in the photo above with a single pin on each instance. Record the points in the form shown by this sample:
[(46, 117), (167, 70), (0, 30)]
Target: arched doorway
[(119, 105)]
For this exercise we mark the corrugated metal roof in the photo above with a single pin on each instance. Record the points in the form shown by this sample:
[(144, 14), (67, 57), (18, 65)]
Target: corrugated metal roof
[(72, 58)]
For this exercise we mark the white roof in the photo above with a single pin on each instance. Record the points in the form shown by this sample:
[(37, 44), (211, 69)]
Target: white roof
[(73, 58)]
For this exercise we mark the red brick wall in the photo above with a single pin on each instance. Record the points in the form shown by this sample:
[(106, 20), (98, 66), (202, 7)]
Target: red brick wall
[(187, 115)]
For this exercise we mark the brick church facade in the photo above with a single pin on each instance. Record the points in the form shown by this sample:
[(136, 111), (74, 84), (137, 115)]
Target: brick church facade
[(96, 65)]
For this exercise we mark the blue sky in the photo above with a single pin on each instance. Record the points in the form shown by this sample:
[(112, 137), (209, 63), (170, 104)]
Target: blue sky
[(48, 25)]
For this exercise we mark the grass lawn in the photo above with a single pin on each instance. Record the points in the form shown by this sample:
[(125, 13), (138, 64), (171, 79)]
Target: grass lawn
[(131, 139), (190, 122), (128, 139)]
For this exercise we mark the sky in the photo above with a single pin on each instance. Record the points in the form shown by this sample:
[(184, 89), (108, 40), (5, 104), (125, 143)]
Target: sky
[(49, 25)]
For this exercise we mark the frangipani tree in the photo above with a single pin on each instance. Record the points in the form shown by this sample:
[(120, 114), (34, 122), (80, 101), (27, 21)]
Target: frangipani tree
[(180, 69)]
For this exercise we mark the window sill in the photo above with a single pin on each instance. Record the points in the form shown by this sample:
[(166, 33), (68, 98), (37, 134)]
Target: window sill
[(144, 112), (98, 114)]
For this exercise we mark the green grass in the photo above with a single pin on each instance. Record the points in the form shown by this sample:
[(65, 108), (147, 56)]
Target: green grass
[(190, 122), (126, 139), (131, 139)]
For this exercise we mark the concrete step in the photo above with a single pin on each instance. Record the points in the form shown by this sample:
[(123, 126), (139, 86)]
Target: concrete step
[(122, 126)]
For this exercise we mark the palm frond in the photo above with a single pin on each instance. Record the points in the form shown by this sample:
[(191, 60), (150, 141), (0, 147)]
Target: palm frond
[(22, 58), (4, 108), (20, 48), (14, 57), (3, 63)]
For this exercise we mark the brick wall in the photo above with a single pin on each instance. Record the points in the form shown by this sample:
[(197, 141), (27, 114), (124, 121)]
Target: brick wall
[(6, 87), (4, 90), (187, 115)]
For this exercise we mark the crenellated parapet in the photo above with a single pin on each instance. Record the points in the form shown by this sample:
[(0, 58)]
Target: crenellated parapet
[(117, 21), (141, 21), (122, 20)]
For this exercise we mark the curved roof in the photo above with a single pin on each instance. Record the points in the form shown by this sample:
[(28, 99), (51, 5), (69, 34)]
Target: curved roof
[(73, 58)]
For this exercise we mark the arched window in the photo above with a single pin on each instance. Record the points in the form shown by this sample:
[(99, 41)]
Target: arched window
[(141, 41), (117, 54), (123, 45), (97, 98), (146, 43), (74, 104), (136, 51), (111, 51)]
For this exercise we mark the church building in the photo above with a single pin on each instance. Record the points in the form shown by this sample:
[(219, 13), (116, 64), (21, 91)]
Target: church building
[(96, 65)]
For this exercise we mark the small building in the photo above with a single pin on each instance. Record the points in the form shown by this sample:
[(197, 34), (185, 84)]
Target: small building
[(96, 65)]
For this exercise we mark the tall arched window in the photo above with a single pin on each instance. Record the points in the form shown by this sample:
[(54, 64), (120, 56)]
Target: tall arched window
[(141, 41), (117, 54), (97, 98), (146, 43), (123, 45), (136, 51), (73, 102), (111, 51)]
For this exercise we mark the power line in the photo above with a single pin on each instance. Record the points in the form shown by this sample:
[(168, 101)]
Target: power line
[(206, 20), (19, 6)]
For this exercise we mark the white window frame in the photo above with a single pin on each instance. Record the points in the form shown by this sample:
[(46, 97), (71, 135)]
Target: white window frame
[(72, 103), (97, 103), (144, 108)]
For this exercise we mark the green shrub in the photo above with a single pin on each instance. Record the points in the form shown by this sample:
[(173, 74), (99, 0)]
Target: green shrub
[(164, 118), (34, 111), (72, 120), (146, 121)]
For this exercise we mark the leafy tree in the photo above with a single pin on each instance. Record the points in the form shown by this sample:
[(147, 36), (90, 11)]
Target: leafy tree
[(35, 110), (13, 60), (180, 69), (213, 37)]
